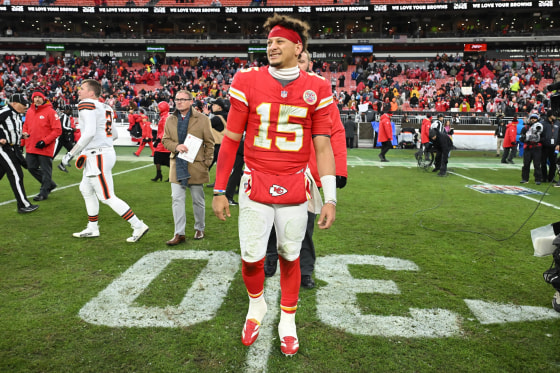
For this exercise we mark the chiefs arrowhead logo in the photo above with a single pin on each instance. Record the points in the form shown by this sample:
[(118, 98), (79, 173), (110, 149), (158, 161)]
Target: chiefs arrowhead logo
[(277, 190)]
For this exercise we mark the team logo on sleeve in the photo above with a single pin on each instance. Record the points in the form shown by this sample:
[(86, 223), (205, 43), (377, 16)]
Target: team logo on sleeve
[(309, 97)]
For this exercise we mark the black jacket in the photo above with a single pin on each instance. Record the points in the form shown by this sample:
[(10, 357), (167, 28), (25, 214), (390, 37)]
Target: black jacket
[(217, 123), (442, 143), (501, 130)]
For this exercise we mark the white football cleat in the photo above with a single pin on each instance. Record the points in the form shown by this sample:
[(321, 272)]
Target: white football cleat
[(137, 233), (88, 232)]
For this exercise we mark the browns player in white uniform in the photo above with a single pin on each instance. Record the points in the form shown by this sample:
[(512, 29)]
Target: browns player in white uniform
[(97, 159), (283, 110)]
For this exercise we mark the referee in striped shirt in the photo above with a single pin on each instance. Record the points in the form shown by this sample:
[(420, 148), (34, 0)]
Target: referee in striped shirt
[(11, 158)]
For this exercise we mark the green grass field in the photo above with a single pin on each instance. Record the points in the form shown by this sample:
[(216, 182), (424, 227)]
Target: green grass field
[(418, 274)]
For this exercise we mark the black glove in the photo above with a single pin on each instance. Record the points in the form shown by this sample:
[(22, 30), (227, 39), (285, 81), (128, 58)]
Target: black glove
[(340, 181), (40, 144), (514, 143), (19, 156)]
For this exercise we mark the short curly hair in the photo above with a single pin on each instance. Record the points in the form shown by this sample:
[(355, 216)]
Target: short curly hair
[(297, 25)]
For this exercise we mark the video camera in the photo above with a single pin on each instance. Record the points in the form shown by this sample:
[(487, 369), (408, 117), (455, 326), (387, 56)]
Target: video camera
[(546, 241), (555, 98)]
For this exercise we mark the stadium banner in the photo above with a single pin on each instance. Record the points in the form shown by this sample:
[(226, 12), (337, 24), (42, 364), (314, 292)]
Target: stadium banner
[(256, 49), (232, 10), (155, 49), (362, 48), (118, 54), (476, 47), (543, 51), (54, 48)]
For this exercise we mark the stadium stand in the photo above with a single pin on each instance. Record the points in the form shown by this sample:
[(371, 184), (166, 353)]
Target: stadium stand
[(190, 59), (137, 81)]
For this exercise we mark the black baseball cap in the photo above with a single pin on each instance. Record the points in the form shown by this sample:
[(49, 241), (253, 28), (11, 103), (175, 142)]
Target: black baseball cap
[(19, 98), (220, 102), (198, 104)]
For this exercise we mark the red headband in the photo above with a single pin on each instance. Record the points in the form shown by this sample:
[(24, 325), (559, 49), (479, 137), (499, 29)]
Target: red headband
[(283, 32)]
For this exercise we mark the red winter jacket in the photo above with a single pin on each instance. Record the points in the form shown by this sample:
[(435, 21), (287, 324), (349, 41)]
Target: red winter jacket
[(133, 119), (163, 114), (146, 128), (385, 129), (511, 134), (42, 123), (425, 130)]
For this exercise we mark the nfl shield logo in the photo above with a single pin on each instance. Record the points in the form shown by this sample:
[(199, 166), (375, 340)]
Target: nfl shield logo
[(284, 94)]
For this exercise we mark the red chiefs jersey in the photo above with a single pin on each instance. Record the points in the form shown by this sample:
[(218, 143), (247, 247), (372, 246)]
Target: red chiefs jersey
[(279, 121), (478, 107)]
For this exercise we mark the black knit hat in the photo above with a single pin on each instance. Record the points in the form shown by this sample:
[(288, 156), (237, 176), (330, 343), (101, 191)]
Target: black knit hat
[(19, 98)]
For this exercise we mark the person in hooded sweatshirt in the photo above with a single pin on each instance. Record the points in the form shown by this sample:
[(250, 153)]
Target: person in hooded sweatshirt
[(41, 129)]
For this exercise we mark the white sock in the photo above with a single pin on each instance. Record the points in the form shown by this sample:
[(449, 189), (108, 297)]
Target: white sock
[(257, 308), (92, 226), (135, 223), (287, 325)]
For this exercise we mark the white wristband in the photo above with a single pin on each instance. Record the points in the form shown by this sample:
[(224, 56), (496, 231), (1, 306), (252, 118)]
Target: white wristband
[(329, 187)]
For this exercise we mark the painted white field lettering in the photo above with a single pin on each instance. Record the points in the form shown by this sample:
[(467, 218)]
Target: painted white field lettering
[(337, 304), (114, 305), (497, 313)]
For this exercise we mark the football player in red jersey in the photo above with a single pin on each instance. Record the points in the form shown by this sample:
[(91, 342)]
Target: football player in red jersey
[(338, 143), (283, 110)]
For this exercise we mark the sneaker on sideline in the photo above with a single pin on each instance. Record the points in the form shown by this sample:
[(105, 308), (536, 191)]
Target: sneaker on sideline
[(88, 232), (137, 233)]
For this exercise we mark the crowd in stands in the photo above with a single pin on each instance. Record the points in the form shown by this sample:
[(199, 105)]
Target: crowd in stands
[(126, 85), (446, 83)]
